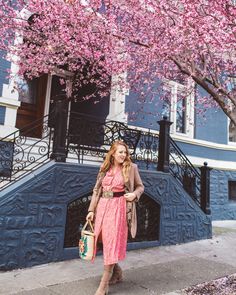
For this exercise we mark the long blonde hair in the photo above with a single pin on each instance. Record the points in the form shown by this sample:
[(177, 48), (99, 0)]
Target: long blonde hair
[(109, 159)]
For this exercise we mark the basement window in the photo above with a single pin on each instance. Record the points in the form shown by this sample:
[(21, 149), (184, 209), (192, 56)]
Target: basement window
[(232, 190)]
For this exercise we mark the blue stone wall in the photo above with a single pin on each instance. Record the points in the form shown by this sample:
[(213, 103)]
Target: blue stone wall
[(33, 213), (221, 207), (181, 219)]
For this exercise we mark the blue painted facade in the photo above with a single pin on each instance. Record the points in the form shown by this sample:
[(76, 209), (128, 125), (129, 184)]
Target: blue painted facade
[(33, 213), (143, 112), (212, 125), (212, 128), (205, 152)]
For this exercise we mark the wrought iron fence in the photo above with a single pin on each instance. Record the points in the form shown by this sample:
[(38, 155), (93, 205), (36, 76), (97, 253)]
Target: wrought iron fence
[(24, 151), (147, 150), (89, 137), (183, 170)]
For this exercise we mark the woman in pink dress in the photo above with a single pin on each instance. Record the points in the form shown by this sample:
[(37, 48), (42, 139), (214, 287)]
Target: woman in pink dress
[(117, 188)]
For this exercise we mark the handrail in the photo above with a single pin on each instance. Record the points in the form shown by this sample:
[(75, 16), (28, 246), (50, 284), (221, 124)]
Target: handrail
[(89, 137), (173, 143), (184, 171), (27, 127), (25, 150)]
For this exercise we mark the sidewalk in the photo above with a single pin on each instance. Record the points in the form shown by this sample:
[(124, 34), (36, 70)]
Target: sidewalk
[(160, 270)]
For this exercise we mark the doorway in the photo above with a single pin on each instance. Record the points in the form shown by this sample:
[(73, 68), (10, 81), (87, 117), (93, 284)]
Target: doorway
[(32, 94)]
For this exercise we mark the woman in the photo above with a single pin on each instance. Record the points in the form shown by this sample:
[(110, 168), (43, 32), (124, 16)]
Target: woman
[(118, 186)]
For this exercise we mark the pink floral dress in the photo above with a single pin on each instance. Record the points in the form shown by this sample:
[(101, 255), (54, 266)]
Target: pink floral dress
[(110, 219)]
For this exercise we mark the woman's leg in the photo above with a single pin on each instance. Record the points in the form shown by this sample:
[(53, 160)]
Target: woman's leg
[(103, 287), (117, 275)]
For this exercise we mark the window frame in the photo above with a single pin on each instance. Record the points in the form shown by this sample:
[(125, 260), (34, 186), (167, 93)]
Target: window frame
[(228, 139), (232, 84), (176, 88)]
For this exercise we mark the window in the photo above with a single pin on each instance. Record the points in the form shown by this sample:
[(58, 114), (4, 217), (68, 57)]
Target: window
[(231, 107), (2, 115), (181, 114), (232, 132), (27, 90), (178, 106), (232, 190)]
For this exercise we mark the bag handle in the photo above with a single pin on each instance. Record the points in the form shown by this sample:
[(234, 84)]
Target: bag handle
[(88, 222)]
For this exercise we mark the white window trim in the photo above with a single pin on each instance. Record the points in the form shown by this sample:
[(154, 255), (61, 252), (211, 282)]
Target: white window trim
[(230, 105), (174, 88), (117, 100)]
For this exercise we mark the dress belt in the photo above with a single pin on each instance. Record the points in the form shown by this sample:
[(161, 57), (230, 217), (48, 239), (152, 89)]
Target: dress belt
[(111, 194)]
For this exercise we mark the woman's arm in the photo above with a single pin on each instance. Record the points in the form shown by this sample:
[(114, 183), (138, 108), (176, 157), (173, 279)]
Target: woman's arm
[(138, 184), (96, 193)]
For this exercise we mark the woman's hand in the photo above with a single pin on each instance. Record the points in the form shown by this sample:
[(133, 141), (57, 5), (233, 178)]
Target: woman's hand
[(90, 216), (130, 197)]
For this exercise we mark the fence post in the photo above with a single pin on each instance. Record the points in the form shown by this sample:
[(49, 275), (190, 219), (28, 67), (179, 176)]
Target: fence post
[(59, 152), (205, 188), (164, 145)]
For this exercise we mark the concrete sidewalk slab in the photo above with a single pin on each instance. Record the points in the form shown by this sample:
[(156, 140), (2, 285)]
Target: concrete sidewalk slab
[(153, 279), (231, 224), (159, 270)]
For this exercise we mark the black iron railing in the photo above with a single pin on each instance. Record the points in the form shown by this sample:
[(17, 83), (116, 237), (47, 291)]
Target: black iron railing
[(147, 150), (172, 159), (24, 151), (89, 137), (183, 170)]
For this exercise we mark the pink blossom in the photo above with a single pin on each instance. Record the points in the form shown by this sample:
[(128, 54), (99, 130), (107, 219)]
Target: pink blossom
[(150, 40)]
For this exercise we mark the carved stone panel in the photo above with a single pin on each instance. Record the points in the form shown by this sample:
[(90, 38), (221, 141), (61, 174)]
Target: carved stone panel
[(33, 218)]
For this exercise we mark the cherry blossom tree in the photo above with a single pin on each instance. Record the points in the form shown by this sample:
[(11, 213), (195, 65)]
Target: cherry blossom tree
[(191, 41)]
